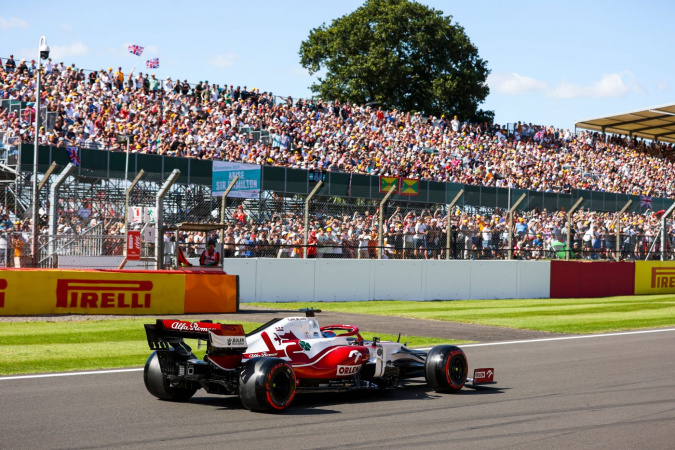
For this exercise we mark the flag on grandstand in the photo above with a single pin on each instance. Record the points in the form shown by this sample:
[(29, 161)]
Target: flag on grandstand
[(646, 201), (182, 260), (74, 155), (152, 63), (386, 183), (409, 186), (136, 50), (539, 135)]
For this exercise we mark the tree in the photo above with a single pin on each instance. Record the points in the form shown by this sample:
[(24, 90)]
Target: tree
[(399, 54)]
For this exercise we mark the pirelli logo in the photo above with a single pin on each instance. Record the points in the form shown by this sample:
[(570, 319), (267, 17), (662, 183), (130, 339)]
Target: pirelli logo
[(663, 277), (3, 286), (71, 293)]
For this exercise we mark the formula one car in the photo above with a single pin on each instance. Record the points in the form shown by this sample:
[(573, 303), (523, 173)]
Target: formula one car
[(268, 366)]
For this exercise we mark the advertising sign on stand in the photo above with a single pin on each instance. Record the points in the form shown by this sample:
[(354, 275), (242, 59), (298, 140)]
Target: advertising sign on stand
[(133, 245), (248, 185)]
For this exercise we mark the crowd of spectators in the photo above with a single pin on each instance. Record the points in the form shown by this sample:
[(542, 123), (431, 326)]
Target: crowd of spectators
[(206, 120), (423, 235)]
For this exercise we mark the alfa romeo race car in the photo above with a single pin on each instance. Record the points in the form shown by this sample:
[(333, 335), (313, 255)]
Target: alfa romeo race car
[(268, 366)]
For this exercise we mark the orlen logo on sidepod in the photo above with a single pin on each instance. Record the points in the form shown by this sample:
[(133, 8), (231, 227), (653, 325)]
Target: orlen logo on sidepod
[(103, 293), (3, 286)]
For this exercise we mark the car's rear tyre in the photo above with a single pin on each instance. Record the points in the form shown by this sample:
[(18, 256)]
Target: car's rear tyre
[(158, 385), (267, 384), (446, 368)]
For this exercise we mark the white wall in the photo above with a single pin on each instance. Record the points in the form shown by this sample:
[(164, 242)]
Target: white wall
[(270, 280), (102, 262)]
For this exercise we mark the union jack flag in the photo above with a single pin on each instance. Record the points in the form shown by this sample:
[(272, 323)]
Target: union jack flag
[(152, 63), (136, 50), (646, 201), (74, 155)]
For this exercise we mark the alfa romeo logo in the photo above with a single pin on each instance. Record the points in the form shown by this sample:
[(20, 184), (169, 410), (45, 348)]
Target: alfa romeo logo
[(304, 345)]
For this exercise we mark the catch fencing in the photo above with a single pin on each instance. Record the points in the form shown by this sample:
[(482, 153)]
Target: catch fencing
[(312, 214)]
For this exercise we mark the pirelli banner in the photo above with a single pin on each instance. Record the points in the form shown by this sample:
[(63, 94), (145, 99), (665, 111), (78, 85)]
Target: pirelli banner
[(36, 292), (654, 277)]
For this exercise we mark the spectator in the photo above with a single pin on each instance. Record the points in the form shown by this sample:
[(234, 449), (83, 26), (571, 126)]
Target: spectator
[(10, 64)]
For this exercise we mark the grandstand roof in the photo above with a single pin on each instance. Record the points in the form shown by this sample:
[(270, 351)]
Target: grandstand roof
[(656, 123)]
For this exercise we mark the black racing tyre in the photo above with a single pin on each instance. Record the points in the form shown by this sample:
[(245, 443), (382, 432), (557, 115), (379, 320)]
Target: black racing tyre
[(267, 384), (158, 385), (446, 368)]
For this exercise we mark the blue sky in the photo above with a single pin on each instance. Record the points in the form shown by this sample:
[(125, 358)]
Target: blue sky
[(552, 62)]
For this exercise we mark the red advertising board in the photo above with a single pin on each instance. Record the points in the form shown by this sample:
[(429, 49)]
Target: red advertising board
[(133, 245), (582, 279)]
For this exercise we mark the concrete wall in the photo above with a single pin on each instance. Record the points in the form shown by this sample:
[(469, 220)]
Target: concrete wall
[(269, 280), (102, 262)]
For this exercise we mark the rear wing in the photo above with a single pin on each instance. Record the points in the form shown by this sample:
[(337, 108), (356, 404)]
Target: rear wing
[(169, 334)]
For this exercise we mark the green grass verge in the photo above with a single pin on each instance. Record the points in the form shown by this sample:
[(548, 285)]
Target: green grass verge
[(40, 347), (577, 316)]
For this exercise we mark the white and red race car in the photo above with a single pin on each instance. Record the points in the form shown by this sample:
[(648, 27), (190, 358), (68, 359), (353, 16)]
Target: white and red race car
[(268, 366)]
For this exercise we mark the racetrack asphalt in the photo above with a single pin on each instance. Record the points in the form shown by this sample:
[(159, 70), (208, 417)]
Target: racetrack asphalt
[(610, 391)]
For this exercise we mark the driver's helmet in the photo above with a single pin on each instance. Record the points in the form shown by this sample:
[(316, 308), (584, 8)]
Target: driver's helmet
[(328, 334)]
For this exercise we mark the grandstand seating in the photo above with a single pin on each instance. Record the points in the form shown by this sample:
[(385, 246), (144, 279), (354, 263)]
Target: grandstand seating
[(246, 125), (213, 122)]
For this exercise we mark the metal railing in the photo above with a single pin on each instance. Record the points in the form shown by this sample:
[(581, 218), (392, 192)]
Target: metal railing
[(463, 246)]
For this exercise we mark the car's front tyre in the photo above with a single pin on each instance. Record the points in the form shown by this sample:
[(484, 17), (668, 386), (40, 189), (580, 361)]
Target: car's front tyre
[(446, 368)]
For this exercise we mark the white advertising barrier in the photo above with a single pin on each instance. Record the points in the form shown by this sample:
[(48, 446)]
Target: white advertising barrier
[(247, 269), (494, 279), (534, 279), (447, 280), (397, 279), (284, 280), (339, 280), (275, 280), (102, 262)]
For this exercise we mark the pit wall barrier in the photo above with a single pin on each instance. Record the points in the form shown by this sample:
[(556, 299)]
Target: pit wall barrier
[(273, 280), (122, 292)]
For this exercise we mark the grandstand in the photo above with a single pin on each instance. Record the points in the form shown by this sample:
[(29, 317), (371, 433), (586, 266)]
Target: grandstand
[(175, 125)]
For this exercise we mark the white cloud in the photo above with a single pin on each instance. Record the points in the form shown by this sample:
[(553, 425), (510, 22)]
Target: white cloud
[(610, 85), (225, 60), (662, 85), (66, 27), (61, 52), (513, 83), (12, 22)]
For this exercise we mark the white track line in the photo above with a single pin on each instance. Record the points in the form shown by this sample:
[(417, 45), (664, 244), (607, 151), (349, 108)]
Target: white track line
[(562, 338), (531, 341), (70, 374)]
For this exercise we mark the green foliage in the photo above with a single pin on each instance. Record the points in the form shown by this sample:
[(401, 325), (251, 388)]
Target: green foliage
[(577, 316), (402, 55)]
